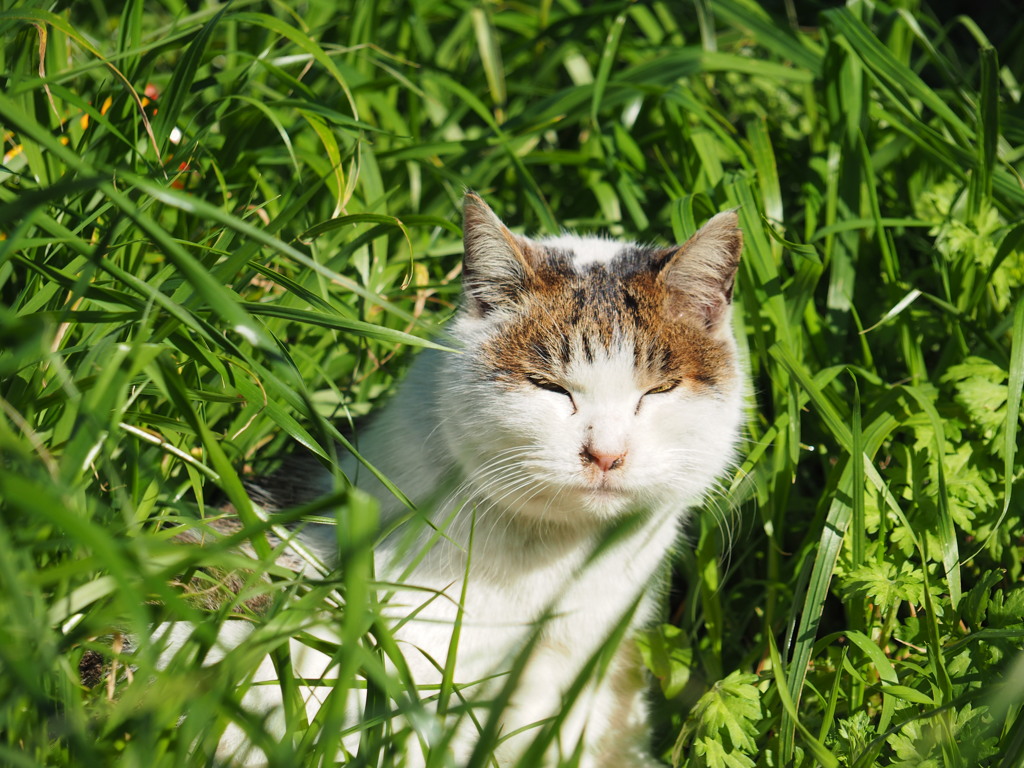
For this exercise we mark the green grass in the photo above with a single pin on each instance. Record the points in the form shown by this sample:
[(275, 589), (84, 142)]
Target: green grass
[(192, 284)]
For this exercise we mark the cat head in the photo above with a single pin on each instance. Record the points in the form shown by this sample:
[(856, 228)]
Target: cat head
[(597, 377)]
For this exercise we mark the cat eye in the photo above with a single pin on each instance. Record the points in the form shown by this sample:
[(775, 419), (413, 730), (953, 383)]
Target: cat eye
[(549, 385), (663, 388)]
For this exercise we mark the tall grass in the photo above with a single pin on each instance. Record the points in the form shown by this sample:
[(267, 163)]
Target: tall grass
[(224, 228)]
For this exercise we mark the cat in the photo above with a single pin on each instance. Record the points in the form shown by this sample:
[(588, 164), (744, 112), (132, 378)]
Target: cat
[(596, 398)]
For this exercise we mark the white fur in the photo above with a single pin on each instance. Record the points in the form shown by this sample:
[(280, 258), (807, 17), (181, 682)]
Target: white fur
[(502, 465), (587, 250), (539, 515)]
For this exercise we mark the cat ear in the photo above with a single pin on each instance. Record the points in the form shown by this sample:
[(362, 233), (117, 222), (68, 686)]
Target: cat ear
[(701, 273), (495, 269)]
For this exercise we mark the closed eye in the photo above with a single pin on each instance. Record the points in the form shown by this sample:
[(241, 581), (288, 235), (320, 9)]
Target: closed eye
[(658, 390), (668, 387), (542, 383)]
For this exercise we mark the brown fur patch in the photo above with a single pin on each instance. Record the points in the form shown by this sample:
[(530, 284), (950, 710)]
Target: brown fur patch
[(566, 313), (92, 668), (211, 588), (206, 588)]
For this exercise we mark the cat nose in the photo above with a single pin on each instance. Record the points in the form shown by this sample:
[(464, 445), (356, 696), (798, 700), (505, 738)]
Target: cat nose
[(606, 461)]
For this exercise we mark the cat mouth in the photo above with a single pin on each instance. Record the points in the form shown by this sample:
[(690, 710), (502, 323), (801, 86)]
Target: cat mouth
[(604, 491)]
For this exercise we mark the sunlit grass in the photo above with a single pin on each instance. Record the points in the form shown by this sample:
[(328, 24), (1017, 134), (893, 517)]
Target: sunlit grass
[(223, 231)]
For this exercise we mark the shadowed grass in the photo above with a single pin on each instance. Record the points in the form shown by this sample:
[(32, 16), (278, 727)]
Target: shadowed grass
[(224, 228)]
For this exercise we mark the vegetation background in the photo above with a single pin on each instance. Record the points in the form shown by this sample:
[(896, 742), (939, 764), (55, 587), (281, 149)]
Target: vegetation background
[(224, 228)]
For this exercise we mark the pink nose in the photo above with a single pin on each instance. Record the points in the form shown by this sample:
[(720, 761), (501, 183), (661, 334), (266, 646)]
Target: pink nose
[(607, 461)]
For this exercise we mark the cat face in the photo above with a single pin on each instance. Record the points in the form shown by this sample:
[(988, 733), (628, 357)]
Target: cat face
[(596, 377)]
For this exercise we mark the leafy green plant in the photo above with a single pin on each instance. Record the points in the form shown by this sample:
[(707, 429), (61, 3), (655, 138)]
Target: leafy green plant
[(225, 228)]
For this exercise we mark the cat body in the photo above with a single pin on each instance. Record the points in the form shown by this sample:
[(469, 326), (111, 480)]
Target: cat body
[(597, 397)]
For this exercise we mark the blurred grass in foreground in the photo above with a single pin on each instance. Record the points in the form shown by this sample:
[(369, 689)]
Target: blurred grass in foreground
[(223, 230)]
